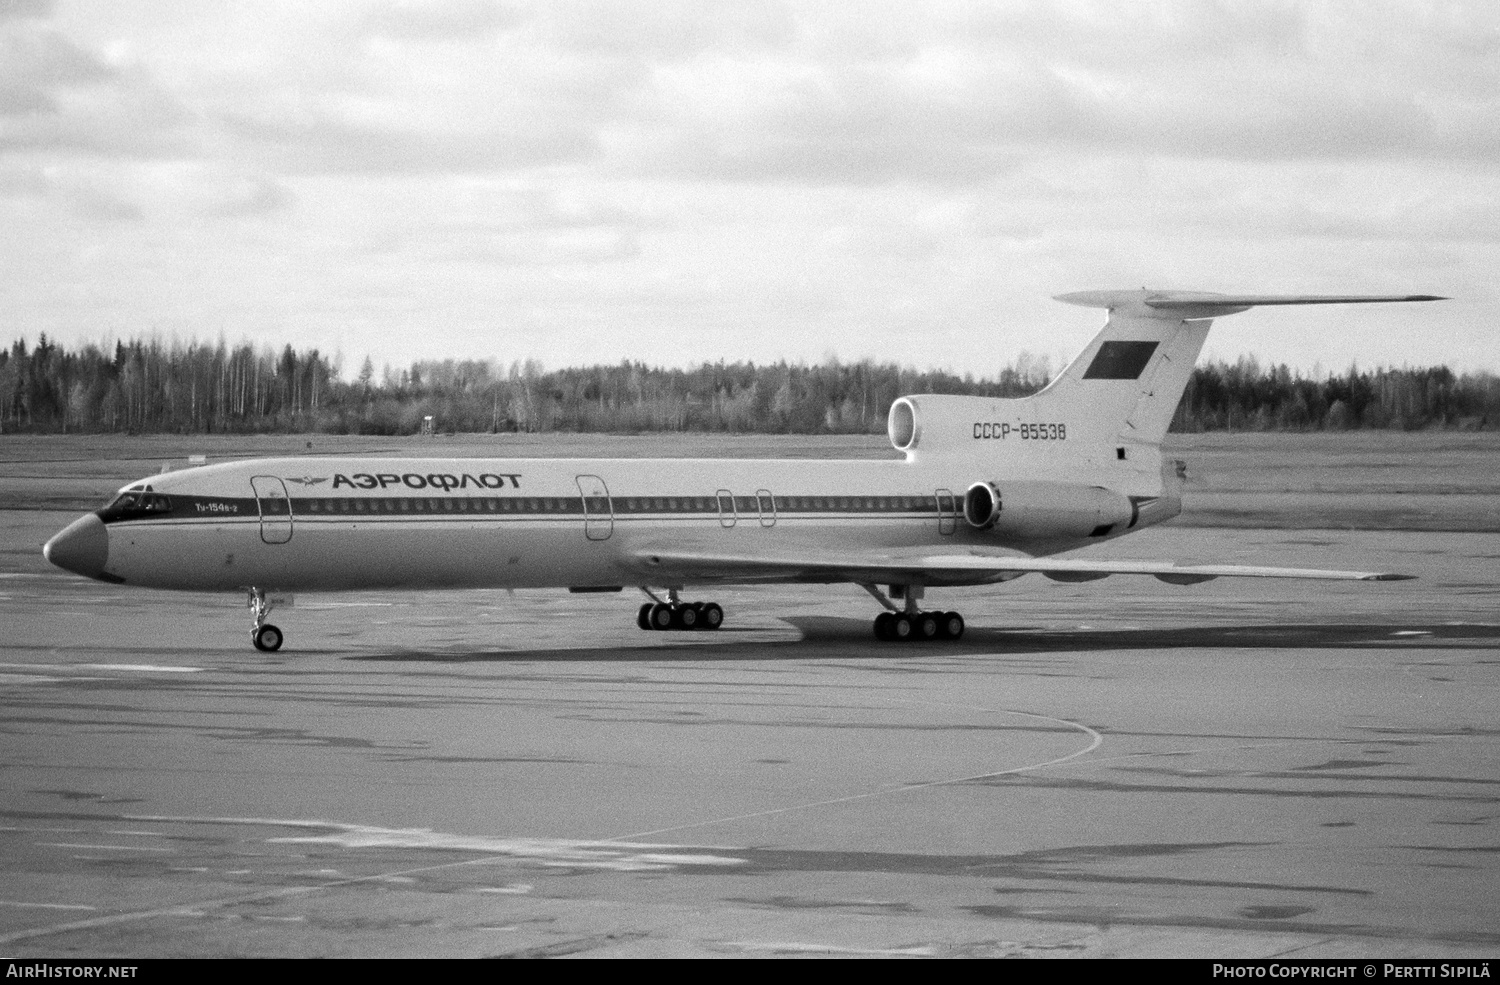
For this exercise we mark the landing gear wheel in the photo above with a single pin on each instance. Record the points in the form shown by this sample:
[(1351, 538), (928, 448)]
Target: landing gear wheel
[(950, 625), (901, 627), (678, 615), (926, 625), (883, 626), (267, 638)]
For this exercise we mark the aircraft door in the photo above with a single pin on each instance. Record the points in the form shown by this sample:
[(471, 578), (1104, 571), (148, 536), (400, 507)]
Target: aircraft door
[(727, 515), (947, 507), (275, 508), (598, 511), (767, 504)]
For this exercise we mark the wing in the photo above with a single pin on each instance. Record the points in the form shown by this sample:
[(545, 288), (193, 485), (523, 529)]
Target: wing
[(953, 569)]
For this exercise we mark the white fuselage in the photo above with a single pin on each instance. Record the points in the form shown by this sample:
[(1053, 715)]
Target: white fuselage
[(301, 524)]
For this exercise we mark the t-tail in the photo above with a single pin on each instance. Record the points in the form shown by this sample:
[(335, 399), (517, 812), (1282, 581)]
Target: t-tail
[(1095, 432), (1127, 383), (1116, 397)]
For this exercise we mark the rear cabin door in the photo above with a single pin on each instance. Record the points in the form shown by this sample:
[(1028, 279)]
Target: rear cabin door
[(947, 507), (727, 515), (598, 511), (767, 504), (275, 508)]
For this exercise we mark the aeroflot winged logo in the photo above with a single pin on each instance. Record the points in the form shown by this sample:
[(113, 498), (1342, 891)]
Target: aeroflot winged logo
[(432, 480), (306, 480)]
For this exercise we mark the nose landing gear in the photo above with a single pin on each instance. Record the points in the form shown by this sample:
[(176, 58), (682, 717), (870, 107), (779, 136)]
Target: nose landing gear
[(676, 614), (263, 635)]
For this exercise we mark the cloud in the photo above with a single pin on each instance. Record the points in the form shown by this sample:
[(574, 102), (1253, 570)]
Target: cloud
[(641, 169), (24, 100), (104, 206), (322, 142), (20, 180), (252, 197), (19, 9), (957, 97), (445, 20), (664, 30), (41, 56), (58, 96)]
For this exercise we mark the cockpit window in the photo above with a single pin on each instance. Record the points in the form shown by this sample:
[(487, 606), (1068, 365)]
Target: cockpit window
[(131, 503)]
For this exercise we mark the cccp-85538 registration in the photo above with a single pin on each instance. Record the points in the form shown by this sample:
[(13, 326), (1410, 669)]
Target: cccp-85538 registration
[(1024, 431)]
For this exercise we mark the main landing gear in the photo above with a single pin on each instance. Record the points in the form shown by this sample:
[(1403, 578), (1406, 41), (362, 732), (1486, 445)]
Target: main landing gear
[(676, 614), (909, 624), (900, 627), (266, 637)]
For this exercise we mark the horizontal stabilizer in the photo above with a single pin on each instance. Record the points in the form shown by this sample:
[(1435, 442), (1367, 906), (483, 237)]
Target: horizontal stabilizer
[(1205, 304)]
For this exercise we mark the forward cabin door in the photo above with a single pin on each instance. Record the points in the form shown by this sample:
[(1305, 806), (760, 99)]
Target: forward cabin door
[(275, 508), (598, 511)]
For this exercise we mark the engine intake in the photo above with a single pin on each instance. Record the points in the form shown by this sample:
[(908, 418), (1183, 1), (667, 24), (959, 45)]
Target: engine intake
[(1046, 510), (942, 423), (982, 505), (901, 424)]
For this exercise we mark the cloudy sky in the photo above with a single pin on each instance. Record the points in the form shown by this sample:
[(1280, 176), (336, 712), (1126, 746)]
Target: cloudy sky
[(582, 181)]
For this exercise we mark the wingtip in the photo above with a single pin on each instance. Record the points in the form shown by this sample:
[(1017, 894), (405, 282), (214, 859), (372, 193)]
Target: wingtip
[(1387, 576)]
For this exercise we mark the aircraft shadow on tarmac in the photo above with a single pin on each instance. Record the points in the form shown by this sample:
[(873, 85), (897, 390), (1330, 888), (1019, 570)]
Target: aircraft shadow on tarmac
[(826, 637)]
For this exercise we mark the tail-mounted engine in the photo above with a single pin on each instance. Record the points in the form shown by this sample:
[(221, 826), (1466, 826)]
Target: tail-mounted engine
[(931, 422), (982, 505), (1046, 510)]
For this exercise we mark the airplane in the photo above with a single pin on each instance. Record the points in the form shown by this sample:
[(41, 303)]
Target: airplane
[(988, 490)]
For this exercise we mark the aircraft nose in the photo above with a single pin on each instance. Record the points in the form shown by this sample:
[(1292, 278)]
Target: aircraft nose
[(81, 547)]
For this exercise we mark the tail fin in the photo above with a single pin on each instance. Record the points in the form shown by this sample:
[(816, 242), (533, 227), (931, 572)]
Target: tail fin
[(1125, 386)]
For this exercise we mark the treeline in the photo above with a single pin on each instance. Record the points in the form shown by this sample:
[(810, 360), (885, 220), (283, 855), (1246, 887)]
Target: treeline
[(1245, 396), (152, 386)]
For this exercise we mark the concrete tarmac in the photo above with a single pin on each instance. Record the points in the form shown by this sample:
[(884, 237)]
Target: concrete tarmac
[(1122, 768)]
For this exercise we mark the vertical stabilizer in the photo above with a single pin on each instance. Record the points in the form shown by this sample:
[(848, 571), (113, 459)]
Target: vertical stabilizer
[(1125, 386)]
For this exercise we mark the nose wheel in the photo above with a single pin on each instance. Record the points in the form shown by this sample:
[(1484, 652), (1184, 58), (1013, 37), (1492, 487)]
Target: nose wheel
[(266, 638), (678, 615), (263, 635)]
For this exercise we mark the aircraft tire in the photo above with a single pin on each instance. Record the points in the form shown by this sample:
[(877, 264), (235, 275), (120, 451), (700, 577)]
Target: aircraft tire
[(712, 616), (686, 617), (883, 625), (951, 625), (661, 616), (643, 617), (267, 638), (926, 626), (901, 628)]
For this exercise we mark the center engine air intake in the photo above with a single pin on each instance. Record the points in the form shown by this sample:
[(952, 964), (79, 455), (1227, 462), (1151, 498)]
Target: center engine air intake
[(982, 505), (901, 424), (931, 422)]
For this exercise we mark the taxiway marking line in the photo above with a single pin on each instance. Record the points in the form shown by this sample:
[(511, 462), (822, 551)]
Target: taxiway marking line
[(190, 908), (122, 848), (1097, 741)]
